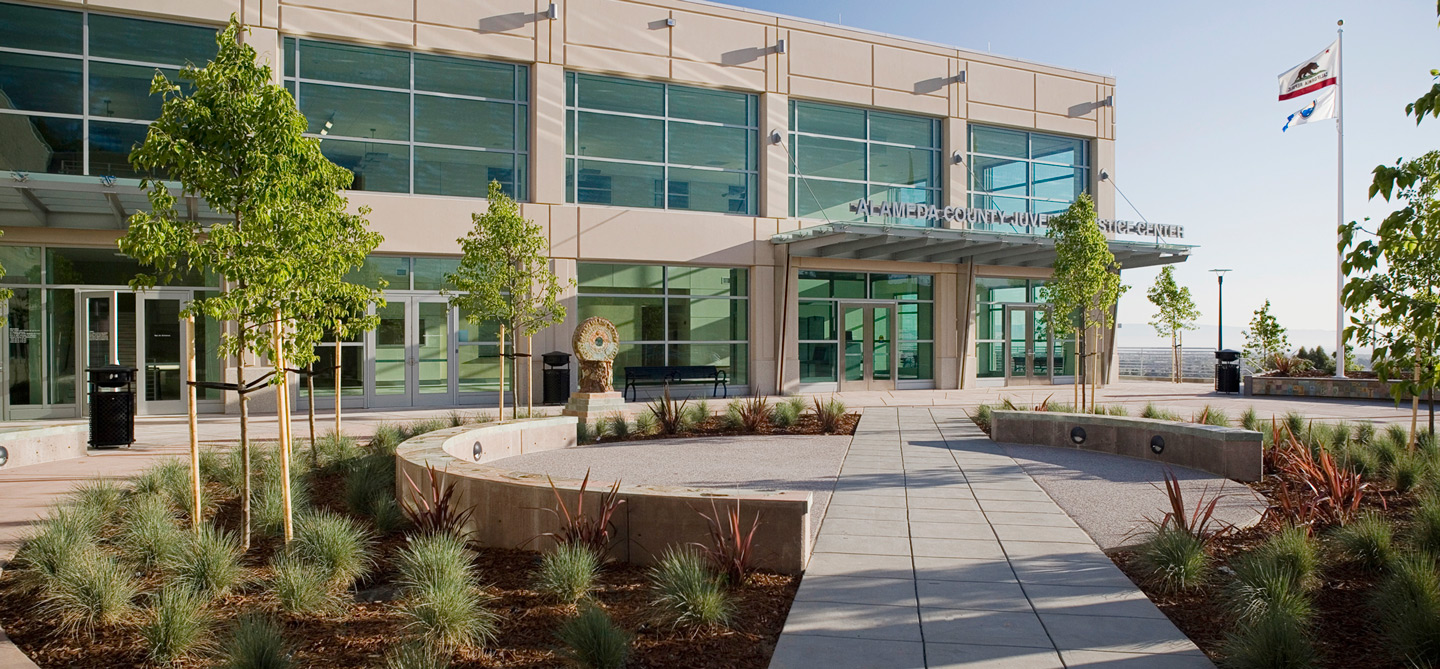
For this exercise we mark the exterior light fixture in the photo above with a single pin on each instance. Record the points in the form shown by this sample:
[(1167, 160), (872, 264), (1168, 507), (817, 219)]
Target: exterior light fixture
[(775, 137), (553, 12), (1077, 435), (1157, 444), (780, 46), (959, 159), (4, 456), (1104, 176), (670, 23), (960, 78), (478, 451)]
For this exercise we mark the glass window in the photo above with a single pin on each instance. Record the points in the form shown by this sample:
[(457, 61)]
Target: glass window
[(469, 117), (699, 157), (707, 281), (60, 344), (395, 272), (102, 267), (21, 263), (110, 147), (430, 273), (1019, 172), (40, 29), (123, 91), (42, 144), (992, 295), (150, 41), (821, 292), (707, 320), (25, 357), (40, 83), (843, 154), (635, 318), (621, 279)]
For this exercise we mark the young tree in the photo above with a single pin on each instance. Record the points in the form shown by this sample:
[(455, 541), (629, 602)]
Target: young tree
[(1175, 312), (236, 141), (1394, 285), (1265, 339), (1085, 282), (504, 276)]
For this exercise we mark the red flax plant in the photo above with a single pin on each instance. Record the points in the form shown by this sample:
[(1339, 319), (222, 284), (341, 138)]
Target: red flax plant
[(577, 527), (730, 547), (435, 511), (1199, 522), (1311, 488)]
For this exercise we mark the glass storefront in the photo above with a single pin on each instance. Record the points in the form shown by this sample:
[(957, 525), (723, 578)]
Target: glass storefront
[(669, 315), (821, 326), (995, 347)]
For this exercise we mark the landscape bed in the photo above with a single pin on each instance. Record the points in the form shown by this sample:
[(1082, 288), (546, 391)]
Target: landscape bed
[(368, 621)]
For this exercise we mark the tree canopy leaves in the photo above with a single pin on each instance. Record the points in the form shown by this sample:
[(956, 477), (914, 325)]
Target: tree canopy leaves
[(1086, 278), (1264, 339)]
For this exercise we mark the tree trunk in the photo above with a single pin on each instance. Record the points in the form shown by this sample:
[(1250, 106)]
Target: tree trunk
[(529, 376), (244, 445), (502, 374), (282, 411), (1415, 406), (337, 387), (310, 390), (189, 343), (515, 372)]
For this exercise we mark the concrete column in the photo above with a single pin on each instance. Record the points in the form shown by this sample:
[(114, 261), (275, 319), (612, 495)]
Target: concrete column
[(764, 329), (957, 177), (774, 160), (787, 307), (547, 134), (1104, 191), (967, 326), (946, 320), (558, 336)]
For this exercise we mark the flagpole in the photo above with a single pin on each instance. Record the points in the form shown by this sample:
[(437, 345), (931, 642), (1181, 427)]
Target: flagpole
[(1339, 199)]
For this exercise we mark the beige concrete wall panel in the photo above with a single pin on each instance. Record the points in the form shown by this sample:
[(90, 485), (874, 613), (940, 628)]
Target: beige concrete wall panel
[(623, 26), (611, 233), (250, 12), (319, 22), (830, 91), (957, 176), (417, 223), (910, 103), (1103, 158), (266, 42), (389, 9), (720, 41), (1062, 124), (1013, 63), (270, 13), (762, 330), (1067, 97), (848, 34), (621, 63), (217, 11), (989, 114), (517, 18), (912, 71), (830, 58), (709, 74), (547, 143), (1002, 86), (475, 43), (565, 232)]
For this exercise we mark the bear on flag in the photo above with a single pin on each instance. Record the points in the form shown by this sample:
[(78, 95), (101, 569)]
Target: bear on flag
[(1314, 80)]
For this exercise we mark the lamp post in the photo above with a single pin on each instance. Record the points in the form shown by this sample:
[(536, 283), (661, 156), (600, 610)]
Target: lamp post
[(1220, 278)]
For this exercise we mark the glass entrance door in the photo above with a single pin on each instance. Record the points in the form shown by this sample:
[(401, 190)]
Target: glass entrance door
[(1030, 359), (161, 352), (412, 354), (867, 339)]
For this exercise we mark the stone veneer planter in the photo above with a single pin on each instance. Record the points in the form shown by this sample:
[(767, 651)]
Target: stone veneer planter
[(1319, 386), (1225, 451), (512, 509)]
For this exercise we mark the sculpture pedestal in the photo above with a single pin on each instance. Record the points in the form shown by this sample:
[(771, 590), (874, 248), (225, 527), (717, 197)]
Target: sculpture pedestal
[(590, 407)]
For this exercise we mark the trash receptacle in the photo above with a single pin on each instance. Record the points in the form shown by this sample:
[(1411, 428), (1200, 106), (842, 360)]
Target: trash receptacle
[(112, 406), (556, 377), (1227, 371)]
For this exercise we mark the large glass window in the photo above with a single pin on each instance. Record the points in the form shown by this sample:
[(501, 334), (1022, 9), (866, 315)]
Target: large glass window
[(55, 118), (1025, 172), (649, 144), (844, 154), (407, 122), (820, 294), (672, 315), (992, 295)]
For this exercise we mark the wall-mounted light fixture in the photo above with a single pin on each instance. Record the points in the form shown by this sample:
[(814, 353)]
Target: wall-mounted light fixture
[(958, 158), (960, 78), (553, 12), (775, 137), (670, 23), (1104, 176), (1109, 101), (780, 46)]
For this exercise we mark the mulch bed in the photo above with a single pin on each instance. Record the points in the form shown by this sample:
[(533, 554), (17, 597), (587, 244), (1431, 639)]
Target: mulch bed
[(361, 637), (806, 424)]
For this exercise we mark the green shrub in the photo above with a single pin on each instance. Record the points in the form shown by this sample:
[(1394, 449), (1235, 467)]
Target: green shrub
[(425, 426), (387, 437), (699, 412), (1156, 413), (1365, 432), (1215, 416), (1265, 585), (830, 413), (1396, 434), (267, 506), (1359, 458), (1407, 604), (1367, 541), (1117, 410), (176, 625), (214, 466), (567, 573), (63, 538), (91, 592), (256, 643), (450, 615), (416, 655), (1293, 549), (1251, 420), (645, 423), (1339, 436), (1173, 559), (370, 481), (1411, 470), (388, 515), (209, 563), (584, 433), (1425, 525), (1270, 642), (983, 417), (1387, 452), (338, 546), (435, 560), (101, 498), (149, 534), (303, 588), (617, 426), (784, 415), (336, 451), (796, 403), (687, 592), (160, 478), (1295, 422), (593, 641)]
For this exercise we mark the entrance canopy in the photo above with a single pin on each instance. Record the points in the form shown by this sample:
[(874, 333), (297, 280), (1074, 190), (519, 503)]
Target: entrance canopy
[(96, 203), (865, 241)]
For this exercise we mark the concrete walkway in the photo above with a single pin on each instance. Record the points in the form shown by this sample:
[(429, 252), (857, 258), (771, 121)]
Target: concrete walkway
[(938, 550)]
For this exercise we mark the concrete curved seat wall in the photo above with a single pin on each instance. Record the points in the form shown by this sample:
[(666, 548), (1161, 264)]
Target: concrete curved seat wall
[(512, 509), (32, 445), (1225, 451)]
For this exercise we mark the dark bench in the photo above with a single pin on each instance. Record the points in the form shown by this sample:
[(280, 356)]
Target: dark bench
[(664, 376)]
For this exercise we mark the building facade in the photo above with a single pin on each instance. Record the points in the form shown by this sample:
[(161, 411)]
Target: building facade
[(806, 207)]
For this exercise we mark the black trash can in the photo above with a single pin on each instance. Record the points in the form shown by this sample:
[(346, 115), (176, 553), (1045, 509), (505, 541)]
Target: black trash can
[(112, 406), (1227, 371), (556, 377)]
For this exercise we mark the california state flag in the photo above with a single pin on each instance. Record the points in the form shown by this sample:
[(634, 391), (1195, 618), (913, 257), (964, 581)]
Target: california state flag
[(1312, 74)]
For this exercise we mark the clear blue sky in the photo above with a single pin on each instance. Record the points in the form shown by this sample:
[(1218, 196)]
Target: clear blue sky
[(1198, 125)]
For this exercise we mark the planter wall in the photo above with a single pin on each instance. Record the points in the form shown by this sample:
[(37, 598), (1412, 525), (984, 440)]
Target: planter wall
[(1319, 386), (513, 509), (33, 445), (1225, 451)]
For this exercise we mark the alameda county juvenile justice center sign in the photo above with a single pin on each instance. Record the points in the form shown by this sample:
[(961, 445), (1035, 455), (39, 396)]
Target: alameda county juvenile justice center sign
[(972, 217)]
